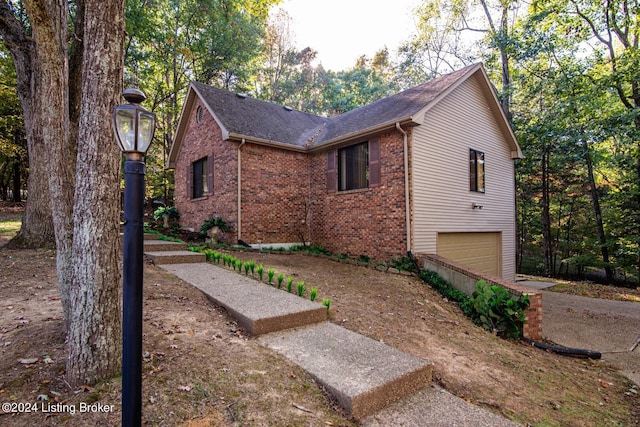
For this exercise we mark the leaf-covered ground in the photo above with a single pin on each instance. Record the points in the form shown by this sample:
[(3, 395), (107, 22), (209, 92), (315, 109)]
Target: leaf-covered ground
[(200, 368)]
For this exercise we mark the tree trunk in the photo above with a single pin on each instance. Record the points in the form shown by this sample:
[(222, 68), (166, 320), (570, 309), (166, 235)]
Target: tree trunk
[(604, 249), (50, 113), (96, 331), (67, 108), (17, 198), (546, 217), (37, 226)]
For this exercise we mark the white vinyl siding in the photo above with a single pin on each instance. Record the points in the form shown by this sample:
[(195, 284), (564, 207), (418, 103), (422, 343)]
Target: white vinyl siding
[(442, 201)]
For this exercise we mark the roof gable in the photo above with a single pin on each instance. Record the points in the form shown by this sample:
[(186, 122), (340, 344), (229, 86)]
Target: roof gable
[(244, 118)]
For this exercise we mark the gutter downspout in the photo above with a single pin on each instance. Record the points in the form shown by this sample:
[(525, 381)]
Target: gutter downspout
[(240, 189), (407, 204)]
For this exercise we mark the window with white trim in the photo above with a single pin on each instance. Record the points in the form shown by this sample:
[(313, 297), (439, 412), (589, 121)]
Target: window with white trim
[(476, 171)]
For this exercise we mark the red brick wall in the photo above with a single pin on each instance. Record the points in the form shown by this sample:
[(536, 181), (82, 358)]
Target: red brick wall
[(285, 197), (201, 140), (275, 195), (367, 222)]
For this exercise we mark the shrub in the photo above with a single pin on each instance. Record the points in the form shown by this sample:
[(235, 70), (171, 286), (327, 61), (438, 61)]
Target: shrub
[(289, 284), (270, 273), (302, 289), (447, 290), (166, 213), (213, 222), (260, 271), (313, 294), (249, 266), (497, 311), (404, 264), (280, 279), (327, 303)]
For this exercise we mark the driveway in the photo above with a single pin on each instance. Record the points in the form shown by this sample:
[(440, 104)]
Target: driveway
[(610, 327)]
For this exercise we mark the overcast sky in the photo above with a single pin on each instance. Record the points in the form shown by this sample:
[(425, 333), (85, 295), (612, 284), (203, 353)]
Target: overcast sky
[(343, 30)]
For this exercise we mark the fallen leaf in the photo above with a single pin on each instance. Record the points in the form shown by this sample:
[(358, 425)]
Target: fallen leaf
[(184, 388), (302, 408), (30, 361)]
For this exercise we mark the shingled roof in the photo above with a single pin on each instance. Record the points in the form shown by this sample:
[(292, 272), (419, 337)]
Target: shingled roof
[(246, 117), (243, 117)]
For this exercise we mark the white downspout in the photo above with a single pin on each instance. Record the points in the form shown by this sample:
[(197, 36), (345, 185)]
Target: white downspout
[(407, 204), (240, 189)]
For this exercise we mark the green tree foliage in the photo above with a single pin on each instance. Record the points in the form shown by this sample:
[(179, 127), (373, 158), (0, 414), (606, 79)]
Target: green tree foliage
[(579, 107), (13, 152), (171, 42), (566, 72)]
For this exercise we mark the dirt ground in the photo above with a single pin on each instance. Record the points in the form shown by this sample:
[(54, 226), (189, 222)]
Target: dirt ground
[(201, 369)]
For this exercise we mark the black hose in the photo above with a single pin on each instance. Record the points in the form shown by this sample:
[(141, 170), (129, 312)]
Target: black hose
[(243, 243), (565, 351), (415, 262)]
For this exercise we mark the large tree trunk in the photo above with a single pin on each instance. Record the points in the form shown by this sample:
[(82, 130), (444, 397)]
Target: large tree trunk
[(95, 334), (68, 109), (48, 20), (37, 226), (36, 230)]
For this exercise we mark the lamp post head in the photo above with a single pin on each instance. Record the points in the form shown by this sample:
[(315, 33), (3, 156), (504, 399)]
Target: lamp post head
[(133, 125), (134, 96)]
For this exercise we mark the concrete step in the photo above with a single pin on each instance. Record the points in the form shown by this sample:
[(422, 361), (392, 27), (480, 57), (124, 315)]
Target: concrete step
[(163, 245), (258, 307), (175, 257), (364, 375)]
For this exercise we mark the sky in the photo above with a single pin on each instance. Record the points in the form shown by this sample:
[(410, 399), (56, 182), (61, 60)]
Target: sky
[(343, 30)]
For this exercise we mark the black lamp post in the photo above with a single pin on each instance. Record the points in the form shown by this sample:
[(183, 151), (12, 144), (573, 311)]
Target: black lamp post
[(134, 127)]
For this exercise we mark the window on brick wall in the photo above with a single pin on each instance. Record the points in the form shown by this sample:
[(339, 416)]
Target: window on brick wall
[(476, 171), (358, 166), (201, 175)]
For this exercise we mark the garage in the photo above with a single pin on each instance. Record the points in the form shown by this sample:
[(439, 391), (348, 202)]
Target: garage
[(480, 251)]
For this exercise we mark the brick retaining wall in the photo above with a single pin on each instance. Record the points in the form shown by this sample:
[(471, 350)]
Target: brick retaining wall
[(464, 279)]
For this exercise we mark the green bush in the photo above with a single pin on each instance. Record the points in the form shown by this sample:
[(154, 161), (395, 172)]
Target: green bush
[(403, 263), (169, 211), (497, 311), (447, 290), (213, 222), (491, 307)]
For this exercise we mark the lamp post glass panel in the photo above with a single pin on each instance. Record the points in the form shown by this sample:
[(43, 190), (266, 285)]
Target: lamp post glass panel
[(134, 128)]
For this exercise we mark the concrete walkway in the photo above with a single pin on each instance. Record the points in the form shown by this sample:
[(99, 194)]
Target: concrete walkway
[(373, 382)]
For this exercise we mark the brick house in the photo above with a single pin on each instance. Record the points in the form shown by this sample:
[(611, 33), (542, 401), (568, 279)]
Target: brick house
[(428, 170)]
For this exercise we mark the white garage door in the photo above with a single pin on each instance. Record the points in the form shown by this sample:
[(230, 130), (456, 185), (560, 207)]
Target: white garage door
[(480, 251)]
